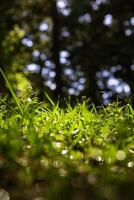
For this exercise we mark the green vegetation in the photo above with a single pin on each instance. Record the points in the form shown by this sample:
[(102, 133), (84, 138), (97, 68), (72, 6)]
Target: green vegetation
[(77, 153), (61, 48), (72, 47)]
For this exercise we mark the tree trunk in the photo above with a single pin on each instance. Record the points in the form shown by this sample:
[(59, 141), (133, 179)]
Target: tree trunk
[(55, 51)]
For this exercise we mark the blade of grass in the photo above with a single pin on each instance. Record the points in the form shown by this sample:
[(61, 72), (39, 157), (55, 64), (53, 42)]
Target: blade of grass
[(11, 90), (131, 109), (50, 100)]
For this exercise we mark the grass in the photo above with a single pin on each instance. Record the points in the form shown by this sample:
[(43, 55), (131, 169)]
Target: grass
[(73, 153), (79, 153)]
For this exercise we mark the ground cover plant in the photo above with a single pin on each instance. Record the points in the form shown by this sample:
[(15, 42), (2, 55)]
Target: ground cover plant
[(78, 153)]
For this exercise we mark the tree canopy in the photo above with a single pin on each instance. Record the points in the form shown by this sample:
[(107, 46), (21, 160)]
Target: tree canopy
[(69, 47)]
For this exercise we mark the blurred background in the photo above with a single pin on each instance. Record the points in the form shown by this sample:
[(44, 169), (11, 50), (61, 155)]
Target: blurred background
[(68, 47)]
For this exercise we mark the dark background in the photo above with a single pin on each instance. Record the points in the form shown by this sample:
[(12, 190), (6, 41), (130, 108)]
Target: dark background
[(68, 47)]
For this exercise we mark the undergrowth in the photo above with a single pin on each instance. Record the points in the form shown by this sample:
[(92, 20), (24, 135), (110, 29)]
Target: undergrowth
[(79, 153), (72, 153)]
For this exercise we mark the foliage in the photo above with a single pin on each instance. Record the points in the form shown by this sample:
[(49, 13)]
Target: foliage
[(73, 153), (69, 47)]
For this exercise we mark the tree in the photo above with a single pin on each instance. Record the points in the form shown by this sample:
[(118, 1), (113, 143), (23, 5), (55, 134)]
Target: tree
[(71, 47)]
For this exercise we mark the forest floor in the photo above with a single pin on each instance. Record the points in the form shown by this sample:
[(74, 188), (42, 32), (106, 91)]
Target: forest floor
[(75, 153)]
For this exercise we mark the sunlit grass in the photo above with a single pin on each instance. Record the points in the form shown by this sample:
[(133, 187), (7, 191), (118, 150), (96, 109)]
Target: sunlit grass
[(72, 153), (65, 148)]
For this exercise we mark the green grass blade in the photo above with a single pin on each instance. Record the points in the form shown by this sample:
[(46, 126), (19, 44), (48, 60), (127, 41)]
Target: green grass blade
[(11, 90), (50, 100), (131, 109)]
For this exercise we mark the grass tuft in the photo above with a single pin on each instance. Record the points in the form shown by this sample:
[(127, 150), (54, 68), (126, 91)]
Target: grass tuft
[(70, 153)]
